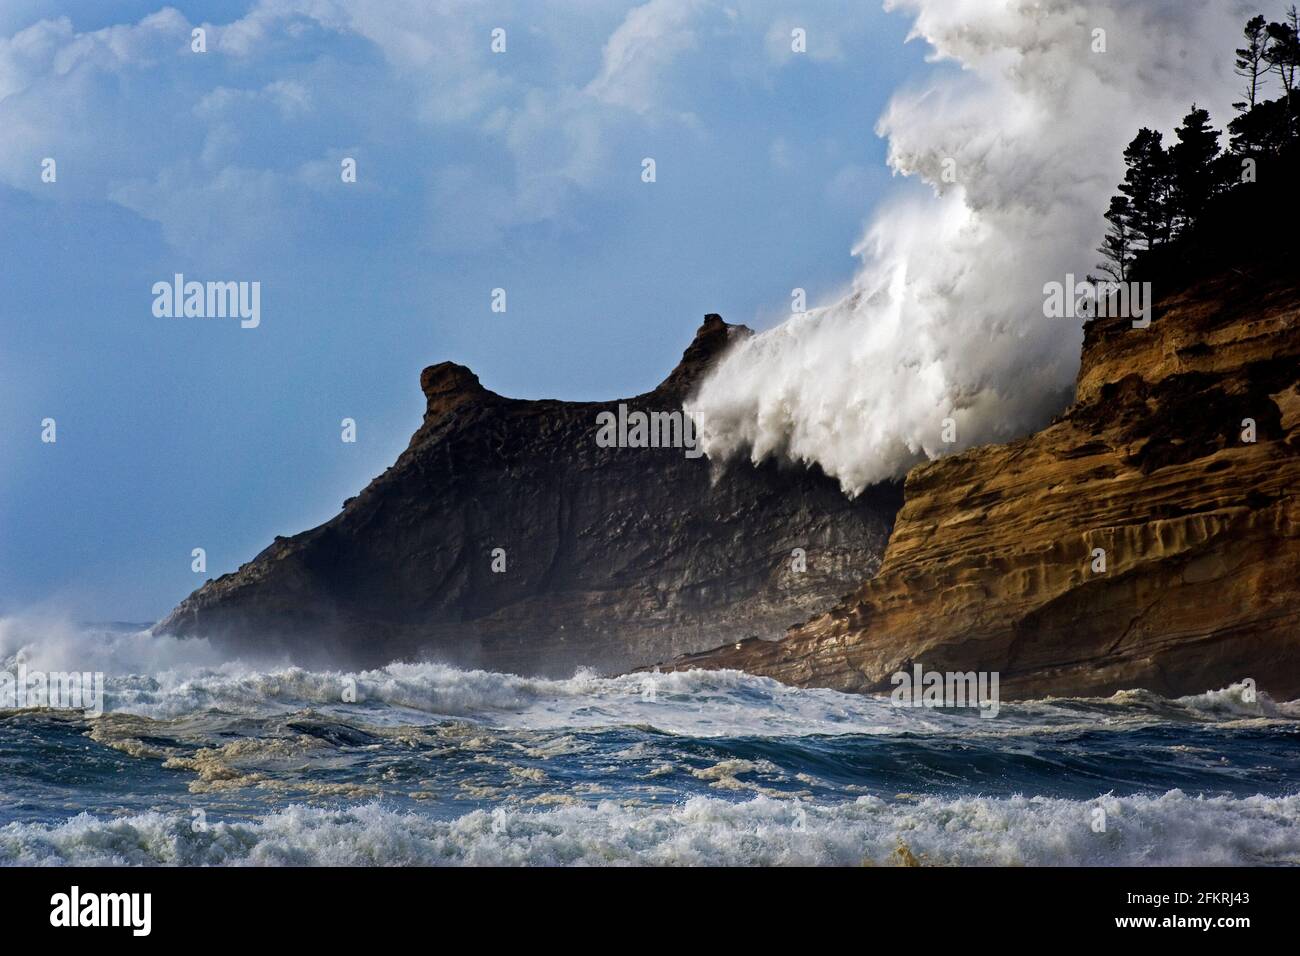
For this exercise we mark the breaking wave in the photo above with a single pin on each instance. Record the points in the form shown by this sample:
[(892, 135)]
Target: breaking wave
[(1172, 829), (943, 326), (430, 764)]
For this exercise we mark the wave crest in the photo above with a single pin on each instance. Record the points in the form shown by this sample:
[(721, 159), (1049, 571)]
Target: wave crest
[(1172, 829)]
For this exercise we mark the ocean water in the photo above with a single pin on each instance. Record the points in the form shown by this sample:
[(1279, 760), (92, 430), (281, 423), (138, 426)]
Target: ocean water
[(198, 760)]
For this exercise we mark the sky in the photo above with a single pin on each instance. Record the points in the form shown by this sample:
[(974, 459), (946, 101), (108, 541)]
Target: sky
[(476, 170)]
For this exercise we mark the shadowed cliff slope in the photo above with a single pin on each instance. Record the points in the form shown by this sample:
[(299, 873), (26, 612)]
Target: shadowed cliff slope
[(614, 557), (991, 562)]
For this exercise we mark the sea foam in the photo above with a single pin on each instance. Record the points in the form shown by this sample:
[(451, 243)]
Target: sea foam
[(1171, 829)]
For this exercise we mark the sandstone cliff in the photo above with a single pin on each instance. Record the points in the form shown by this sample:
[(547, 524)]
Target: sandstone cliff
[(991, 562), (614, 557)]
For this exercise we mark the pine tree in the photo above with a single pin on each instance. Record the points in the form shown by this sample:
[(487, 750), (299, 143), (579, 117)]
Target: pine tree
[(1251, 62), (1194, 167), (1147, 187), (1283, 56), (1260, 131), (1167, 192), (1117, 247), (1289, 53)]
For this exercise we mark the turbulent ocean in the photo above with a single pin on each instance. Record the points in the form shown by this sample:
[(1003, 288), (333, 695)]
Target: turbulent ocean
[(200, 761)]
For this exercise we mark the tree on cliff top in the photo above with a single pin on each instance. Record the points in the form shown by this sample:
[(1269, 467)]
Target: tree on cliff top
[(1195, 176), (1252, 61), (1166, 193), (1117, 248), (1146, 187)]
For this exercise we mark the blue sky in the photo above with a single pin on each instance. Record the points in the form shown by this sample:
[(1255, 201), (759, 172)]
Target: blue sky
[(476, 170)]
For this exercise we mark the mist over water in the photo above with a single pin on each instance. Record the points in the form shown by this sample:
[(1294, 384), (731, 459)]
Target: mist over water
[(944, 318)]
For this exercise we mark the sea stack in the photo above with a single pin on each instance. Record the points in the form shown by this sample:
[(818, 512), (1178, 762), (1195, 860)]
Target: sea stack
[(506, 537)]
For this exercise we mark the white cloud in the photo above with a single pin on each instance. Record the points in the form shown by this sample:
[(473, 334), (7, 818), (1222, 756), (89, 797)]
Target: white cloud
[(57, 99), (641, 51), (290, 98), (52, 48), (196, 211), (272, 96)]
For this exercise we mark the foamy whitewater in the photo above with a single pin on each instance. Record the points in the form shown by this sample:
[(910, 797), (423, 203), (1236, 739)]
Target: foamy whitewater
[(198, 762), (1013, 158)]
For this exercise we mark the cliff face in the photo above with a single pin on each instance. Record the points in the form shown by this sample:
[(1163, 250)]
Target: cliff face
[(613, 557), (991, 562)]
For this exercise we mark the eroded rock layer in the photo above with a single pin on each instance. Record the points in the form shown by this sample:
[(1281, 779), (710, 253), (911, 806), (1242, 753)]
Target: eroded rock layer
[(993, 562)]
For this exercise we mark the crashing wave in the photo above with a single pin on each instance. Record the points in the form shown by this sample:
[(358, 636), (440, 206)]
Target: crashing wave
[(1172, 829)]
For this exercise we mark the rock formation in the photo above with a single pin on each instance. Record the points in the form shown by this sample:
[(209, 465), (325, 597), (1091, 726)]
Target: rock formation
[(613, 557), (995, 559)]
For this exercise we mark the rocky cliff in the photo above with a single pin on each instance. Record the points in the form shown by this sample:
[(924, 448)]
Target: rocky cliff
[(609, 557), (996, 559)]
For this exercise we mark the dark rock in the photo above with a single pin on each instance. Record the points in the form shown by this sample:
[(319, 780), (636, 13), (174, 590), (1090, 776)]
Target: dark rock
[(615, 557)]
